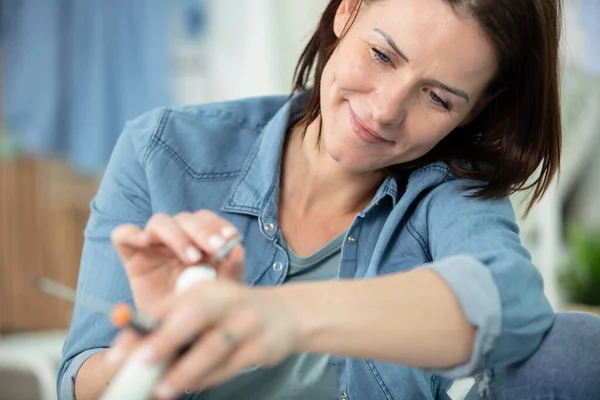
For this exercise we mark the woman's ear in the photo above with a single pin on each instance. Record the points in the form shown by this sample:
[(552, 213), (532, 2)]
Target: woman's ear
[(343, 15)]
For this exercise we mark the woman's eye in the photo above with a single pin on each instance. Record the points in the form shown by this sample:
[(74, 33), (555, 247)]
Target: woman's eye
[(380, 56), (439, 102)]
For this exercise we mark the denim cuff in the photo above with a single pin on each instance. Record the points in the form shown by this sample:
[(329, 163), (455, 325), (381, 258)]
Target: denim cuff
[(66, 386), (477, 293)]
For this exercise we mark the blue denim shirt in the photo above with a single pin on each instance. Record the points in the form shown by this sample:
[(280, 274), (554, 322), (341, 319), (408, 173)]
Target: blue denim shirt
[(225, 157)]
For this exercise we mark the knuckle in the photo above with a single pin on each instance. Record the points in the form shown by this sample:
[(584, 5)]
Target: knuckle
[(198, 228), (183, 216), (156, 220), (204, 214), (120, 232), (179, 238), (195, 224)]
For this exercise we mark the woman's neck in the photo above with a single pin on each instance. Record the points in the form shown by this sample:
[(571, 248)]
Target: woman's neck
[(315, 183)]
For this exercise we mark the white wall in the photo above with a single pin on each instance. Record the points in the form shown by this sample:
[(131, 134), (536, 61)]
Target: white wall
[(251, 50)]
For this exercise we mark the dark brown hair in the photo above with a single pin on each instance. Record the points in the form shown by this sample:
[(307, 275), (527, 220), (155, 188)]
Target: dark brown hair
[(518, 132)]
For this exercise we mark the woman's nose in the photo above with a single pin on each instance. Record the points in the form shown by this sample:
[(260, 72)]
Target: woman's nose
[(389, 104)]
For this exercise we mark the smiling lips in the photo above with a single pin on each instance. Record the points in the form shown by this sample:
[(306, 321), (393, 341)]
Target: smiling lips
[(366, 134)]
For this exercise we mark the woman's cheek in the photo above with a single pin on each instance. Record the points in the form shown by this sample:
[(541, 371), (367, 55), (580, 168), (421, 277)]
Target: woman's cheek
[(354, 74)]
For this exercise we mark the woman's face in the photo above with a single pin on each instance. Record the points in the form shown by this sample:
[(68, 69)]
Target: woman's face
[(405, 75)]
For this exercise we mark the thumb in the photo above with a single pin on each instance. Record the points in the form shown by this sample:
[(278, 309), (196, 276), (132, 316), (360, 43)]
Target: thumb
[(234, 266)]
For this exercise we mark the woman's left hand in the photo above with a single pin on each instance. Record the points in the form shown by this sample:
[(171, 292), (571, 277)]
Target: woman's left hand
[(231, 328)]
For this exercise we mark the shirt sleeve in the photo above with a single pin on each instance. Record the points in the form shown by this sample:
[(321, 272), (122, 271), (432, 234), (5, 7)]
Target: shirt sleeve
[(476, 249), (122, 197)]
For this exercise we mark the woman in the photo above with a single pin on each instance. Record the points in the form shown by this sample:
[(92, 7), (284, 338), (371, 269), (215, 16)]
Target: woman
[(390, 172)]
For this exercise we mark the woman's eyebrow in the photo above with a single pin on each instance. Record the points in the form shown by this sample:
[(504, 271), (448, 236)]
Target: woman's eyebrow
[(392, 44), (458, 92)]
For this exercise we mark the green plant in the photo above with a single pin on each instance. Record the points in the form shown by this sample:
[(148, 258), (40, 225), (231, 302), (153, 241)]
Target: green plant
[(580, 279)]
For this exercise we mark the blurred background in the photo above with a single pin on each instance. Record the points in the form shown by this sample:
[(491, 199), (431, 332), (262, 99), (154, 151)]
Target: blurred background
[(73, 71)]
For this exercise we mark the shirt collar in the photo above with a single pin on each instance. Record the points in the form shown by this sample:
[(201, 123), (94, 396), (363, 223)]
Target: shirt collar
[(257, 186)]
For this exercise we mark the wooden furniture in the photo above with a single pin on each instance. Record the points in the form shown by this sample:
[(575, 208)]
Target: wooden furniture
[(43, 211)]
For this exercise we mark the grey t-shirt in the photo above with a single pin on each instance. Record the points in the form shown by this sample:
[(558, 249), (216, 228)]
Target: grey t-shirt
[(301, 376)]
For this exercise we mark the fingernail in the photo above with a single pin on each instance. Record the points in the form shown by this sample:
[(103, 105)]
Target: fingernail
[(228, 232), (164, 391), (216, 242), (145, 354), (114, 356), (192, 254)]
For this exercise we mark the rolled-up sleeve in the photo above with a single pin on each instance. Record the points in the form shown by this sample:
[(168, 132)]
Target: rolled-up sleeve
[(476, 249), (66, 384), (121, 198)]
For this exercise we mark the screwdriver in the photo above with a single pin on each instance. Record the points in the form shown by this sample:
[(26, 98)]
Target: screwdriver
[(121, 315)]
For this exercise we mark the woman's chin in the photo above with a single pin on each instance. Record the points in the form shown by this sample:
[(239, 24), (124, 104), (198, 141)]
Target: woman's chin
[(353, 163)]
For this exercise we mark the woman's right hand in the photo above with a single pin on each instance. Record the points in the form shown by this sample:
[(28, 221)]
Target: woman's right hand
[(155, 256)]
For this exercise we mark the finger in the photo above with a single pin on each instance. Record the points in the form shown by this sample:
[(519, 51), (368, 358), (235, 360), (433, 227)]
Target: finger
[(183, 374), (164, 230), (129, 339), (211, 233), (125, 238), (179, 327), (125, 342), (211, 352), (207, 230), (234, 265)]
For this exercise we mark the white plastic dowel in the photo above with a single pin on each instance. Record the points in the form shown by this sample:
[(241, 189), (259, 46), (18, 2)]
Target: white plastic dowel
[(136, 380)]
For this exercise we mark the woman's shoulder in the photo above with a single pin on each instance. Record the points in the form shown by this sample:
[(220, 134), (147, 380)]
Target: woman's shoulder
[(207, 132), (245, 113), (443, 194)]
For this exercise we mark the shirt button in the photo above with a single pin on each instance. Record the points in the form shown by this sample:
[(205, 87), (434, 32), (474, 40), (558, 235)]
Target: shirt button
[(352, 239), (277, 266), (268, 226), (344, 396)]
